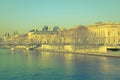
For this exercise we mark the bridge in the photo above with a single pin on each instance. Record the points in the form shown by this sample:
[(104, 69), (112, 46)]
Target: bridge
[(113, 48), (26, 46)]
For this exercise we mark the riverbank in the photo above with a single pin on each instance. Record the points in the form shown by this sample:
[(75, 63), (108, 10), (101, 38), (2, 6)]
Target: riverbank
[(107, 54), (103, 54)]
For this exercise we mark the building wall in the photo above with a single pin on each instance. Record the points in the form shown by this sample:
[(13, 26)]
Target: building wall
[(107, 34)]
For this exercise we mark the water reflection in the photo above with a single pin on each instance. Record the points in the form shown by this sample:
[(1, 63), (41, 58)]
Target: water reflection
[(29, 59), (37, 65)]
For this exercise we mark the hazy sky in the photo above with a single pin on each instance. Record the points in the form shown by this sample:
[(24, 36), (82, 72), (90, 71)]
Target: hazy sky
[(23, 15)]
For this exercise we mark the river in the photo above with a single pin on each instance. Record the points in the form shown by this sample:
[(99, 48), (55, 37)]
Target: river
[(34, 65)]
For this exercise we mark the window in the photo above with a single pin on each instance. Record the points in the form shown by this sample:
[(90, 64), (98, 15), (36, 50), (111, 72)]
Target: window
[(119, 34), (108, 33)]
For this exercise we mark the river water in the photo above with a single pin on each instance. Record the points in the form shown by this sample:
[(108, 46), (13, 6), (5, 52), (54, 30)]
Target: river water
[(34, 65)]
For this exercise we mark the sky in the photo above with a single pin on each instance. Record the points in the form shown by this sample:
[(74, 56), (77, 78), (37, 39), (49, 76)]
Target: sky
[(24, 15)]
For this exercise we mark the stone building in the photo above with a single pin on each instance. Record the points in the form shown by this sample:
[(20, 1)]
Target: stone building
[(105, 34)]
